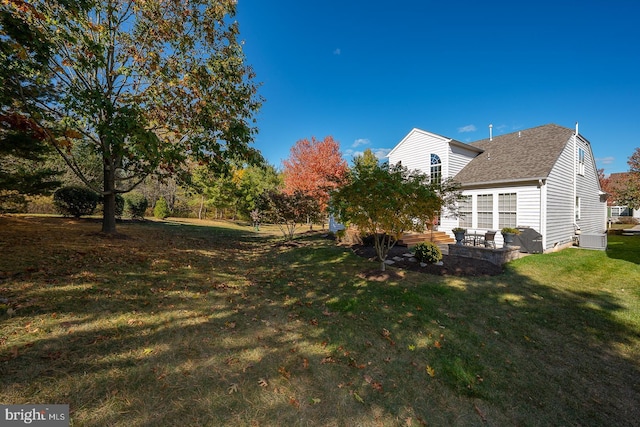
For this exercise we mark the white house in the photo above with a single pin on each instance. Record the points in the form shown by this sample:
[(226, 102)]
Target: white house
[(543, 178), (618, 181)]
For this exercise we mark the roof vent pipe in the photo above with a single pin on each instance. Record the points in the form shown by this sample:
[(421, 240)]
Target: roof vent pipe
[(490, 132), (576, 128), (519, 134)]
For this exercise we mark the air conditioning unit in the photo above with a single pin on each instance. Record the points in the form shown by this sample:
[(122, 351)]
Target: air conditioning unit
[(593, 241)]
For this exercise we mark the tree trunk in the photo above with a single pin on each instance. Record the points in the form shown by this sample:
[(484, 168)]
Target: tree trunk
[(201, 207), (109, 202)]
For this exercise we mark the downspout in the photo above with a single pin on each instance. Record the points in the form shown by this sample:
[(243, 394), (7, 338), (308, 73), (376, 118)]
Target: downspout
[(543, 213), (575, 176)]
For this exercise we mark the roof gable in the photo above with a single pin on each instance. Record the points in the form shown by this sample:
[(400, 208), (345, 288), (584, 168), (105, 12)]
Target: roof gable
[(529, 154), (444, 139)]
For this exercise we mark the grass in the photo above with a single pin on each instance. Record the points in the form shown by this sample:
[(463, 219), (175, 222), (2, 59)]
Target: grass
[(184, 324)]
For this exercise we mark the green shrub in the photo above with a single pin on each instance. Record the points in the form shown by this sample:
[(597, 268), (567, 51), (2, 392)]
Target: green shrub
[(75, 201), (135, 205), (427, 252), (161, 211), (510, 230)]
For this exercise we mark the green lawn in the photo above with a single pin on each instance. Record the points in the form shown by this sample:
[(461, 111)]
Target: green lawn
[(192, 325)]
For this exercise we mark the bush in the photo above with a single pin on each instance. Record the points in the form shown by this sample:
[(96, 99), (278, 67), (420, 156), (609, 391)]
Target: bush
[(75, 201), (161, 211), (510, 230), (135, 205), (427, 252), (627, 220)]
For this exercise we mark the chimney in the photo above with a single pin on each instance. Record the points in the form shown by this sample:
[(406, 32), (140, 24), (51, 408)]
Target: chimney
[(490, 132)]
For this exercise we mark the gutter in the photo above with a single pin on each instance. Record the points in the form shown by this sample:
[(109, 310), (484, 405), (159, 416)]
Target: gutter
[(535, 180), (465, 146)]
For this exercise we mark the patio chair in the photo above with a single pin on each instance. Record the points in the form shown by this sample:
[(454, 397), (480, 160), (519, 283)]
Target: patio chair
[(469, 238), (490, 239)]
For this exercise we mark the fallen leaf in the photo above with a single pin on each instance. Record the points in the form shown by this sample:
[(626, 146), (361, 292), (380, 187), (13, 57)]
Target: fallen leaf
[(431, 371), (294, 402), (305, 363), (283, 371), (315, 400), (357, 397), (437, 344), (233, 388), (263, 383)]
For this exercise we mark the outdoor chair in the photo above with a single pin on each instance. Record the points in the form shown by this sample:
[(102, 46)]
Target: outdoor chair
[(490, 239), (469, 238)]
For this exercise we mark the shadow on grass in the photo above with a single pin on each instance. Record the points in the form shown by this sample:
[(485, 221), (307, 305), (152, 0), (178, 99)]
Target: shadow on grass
[(202, 326)]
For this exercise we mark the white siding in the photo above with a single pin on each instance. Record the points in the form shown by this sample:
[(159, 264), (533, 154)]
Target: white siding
[(529, 207), (588, 189), (561, 199), (458, 159), (415, 150)]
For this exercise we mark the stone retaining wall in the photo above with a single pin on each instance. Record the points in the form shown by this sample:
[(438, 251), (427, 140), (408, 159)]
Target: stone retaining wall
[(495, 256)]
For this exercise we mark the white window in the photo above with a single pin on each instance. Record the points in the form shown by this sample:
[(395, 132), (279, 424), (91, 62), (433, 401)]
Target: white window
[(620, 211), (580, 161), (507, 210), (436, 169), (485, 211), (577, 208), (465, 210)]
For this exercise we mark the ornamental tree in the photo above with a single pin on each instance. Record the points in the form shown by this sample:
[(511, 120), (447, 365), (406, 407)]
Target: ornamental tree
[(144, 85), (386, 201), (315, 167), (287, 210), (629, 190)]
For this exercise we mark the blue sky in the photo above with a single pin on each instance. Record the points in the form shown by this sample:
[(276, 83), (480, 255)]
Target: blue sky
[(367, 72)]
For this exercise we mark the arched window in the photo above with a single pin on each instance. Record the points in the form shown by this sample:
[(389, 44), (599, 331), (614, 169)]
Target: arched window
[(436, 169)]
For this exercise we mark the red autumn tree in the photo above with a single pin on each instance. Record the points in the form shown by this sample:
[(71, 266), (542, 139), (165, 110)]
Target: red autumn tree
[(315, 168)]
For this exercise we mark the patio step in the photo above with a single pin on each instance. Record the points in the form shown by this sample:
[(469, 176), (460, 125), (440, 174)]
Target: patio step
[(440, 238)]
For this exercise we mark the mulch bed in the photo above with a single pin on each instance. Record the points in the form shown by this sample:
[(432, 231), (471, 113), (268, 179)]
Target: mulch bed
[(452, 265)]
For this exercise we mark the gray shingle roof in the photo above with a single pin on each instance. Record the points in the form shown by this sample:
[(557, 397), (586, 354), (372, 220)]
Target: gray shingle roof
[(525, 155)]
